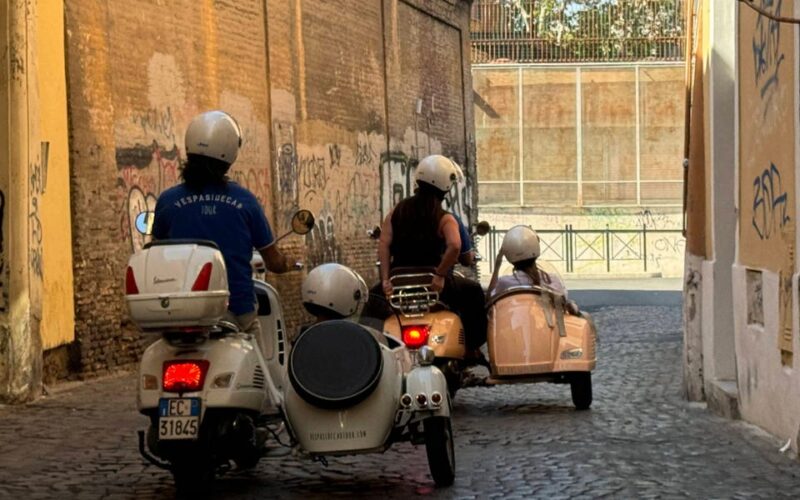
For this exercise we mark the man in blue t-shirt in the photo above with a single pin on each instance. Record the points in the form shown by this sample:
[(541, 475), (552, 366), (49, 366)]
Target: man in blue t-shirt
[(208, 206)]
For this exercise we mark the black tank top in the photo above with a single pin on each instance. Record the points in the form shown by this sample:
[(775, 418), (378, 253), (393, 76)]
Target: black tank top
[(411, 246)]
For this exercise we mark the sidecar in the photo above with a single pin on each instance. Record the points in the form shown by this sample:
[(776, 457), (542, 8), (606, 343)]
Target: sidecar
[(536, 335), (350, 389)]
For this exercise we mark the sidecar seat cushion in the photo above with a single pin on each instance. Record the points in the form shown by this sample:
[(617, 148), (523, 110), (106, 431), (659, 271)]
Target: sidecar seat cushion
[(335, 364)]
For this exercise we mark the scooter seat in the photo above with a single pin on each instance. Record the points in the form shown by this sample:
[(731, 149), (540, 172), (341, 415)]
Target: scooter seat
[(335, 364), (412, 276)]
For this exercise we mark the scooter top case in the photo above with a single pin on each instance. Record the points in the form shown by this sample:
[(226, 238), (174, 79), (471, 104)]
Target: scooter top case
[(531, 333), (177, 284), (343, 389)]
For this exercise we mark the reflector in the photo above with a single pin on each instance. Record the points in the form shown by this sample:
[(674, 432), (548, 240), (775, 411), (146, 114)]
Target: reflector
[(203, 278), (130, 283)]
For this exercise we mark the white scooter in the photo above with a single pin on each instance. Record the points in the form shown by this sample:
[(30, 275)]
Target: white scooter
[(351, 389), (207, 388)]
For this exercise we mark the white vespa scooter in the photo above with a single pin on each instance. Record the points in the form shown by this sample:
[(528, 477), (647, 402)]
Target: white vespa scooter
[(206, 387), (351, 389)]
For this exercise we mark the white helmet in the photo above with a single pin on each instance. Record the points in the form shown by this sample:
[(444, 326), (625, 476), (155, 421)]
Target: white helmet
[(520, 243), (214, 134), (334, 287), (439, 171)]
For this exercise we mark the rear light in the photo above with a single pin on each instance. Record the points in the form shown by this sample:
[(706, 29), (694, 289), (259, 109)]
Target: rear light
[(184, 376), (201, 283), (415, 336), (130, 283)]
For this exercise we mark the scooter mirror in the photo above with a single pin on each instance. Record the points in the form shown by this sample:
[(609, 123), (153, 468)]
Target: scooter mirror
[(144, 222), (302, 222), (482, 228), (375, 233)]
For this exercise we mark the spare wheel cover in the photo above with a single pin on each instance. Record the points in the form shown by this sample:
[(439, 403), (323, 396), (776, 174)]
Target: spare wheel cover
[(335, 364)]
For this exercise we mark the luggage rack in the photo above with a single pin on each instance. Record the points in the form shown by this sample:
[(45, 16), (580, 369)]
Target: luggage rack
[(413, 299)]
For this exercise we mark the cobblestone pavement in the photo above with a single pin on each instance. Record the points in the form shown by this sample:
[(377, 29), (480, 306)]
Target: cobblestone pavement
[(639, 440)]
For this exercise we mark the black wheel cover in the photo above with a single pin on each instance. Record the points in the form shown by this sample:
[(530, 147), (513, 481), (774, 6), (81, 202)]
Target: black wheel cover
[(335, 364)]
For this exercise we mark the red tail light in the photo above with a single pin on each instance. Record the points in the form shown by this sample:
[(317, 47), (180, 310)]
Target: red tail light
[(184, 376), (201, 283), (130, 283), (415, 336)]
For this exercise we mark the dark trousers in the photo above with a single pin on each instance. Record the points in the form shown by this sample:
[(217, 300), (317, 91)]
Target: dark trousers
[(463, 296)]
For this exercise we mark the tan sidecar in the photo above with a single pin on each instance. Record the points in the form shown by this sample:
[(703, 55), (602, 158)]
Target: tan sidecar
[(532, 337)]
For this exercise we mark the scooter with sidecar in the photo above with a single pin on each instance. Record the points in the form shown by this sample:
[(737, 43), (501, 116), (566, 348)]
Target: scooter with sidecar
[(350, 389), (534, 333)]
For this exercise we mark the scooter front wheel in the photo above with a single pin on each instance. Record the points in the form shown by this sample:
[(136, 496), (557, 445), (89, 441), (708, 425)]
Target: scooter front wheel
[(440, 450)]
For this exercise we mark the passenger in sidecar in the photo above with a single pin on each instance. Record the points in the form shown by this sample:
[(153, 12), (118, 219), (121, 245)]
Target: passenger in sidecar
[(535, 334)]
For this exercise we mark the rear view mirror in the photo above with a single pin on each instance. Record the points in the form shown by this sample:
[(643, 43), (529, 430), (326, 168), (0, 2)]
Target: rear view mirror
[(144, 222), (302, 222), (482, 228)]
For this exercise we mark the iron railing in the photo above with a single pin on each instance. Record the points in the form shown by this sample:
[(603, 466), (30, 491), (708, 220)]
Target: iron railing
[(569, 246), (526, 31)]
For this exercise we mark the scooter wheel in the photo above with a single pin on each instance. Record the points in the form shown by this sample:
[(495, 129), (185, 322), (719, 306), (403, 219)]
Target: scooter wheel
[(335, 364), (440, 450)]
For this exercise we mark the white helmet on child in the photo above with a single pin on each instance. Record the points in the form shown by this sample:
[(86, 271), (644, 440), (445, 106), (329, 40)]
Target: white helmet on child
[(214, 134), (334, 288), (520, 243), (439, 171)]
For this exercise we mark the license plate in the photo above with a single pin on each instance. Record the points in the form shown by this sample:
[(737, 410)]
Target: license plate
[(178, 418)]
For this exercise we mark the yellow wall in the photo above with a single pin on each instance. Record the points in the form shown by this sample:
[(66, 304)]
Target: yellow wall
[(767, 153), (50, 181)]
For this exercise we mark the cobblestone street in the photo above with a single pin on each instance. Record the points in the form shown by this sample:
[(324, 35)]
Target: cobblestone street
[(639, 440)]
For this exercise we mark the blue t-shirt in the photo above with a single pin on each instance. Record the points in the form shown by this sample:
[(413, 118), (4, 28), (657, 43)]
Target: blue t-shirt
[(231, 217), (466, 241)]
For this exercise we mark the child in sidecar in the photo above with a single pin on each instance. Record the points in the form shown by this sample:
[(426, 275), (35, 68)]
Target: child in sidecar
[(535, 334)]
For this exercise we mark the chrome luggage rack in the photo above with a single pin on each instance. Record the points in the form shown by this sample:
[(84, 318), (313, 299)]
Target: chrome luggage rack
[(415, 298)]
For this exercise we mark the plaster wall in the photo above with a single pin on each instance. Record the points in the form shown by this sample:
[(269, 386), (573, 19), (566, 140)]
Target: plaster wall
[(768, 394)]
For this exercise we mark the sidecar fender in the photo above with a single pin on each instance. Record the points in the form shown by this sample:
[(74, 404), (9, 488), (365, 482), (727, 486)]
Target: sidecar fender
[(428, 381)]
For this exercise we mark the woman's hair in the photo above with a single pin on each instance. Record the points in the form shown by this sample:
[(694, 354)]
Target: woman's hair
[(529, 267), (425, 207), (201, 171)]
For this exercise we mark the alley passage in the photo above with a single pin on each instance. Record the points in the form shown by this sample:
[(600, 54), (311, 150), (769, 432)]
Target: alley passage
[(640, 439)]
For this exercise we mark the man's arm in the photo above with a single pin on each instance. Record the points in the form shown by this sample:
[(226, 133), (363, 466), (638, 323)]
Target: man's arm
[(384, 253), (274, 260)]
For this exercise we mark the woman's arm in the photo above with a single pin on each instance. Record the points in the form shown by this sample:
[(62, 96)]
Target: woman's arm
[(448, 229), (384, 254)]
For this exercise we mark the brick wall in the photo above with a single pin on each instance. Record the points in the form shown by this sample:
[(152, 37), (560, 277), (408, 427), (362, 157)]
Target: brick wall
[(326, 93)]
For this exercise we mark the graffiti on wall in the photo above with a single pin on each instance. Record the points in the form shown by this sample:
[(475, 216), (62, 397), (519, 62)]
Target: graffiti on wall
[(321, 242), (144, 171), (37, 187), (285, 171), (770, 201), (767, 53)]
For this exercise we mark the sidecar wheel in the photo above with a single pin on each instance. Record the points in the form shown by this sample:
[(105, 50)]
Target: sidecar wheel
[(580, 385), (440, 450)]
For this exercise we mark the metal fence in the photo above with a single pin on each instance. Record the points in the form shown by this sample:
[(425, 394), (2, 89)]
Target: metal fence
[(569, 246), (525, 31)]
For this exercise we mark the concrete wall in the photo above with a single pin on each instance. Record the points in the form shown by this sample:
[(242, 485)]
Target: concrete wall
[(337, 102), (580, 136)]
